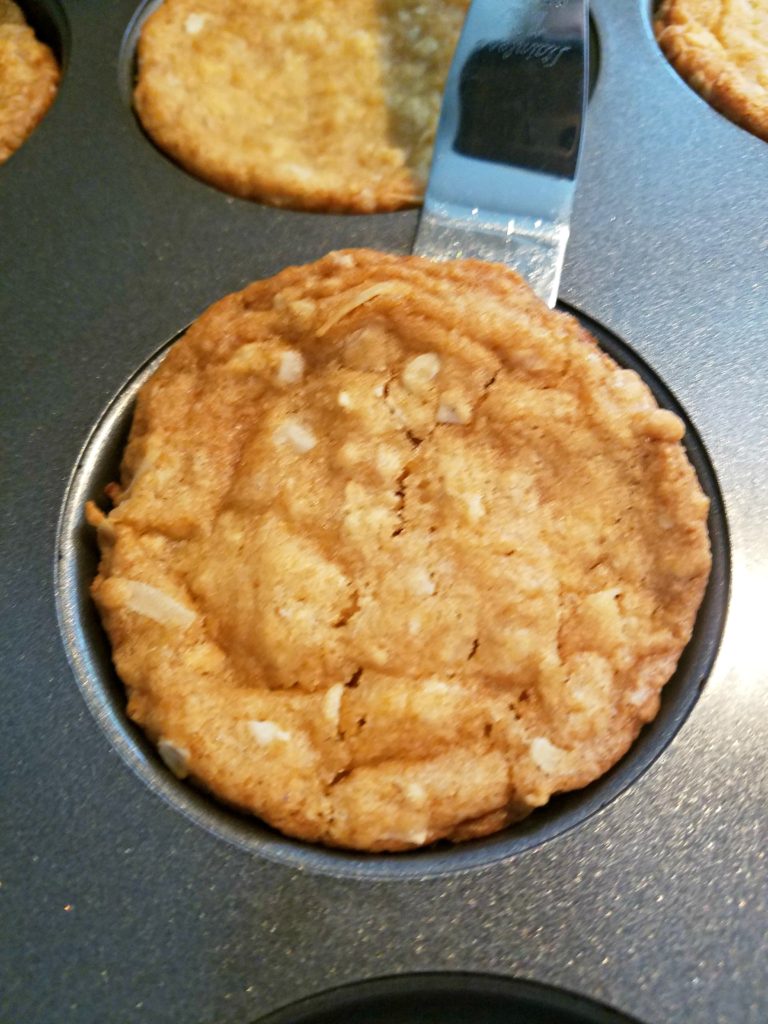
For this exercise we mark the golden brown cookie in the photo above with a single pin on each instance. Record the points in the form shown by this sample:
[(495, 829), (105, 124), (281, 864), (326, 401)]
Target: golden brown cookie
[(721, 49), (304, 103), (397, 552), (29, 76)]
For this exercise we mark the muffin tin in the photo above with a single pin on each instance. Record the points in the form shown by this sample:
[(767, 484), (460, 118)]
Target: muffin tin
[(129, 896)]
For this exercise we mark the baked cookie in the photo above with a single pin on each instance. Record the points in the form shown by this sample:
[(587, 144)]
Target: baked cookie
[(721, 49), (397, 552), (310, 104), (29, 76)]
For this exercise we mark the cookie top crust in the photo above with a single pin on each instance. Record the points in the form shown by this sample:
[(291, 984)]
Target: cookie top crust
[(721, 49), (302, 103), (397, 552), (29, 77)]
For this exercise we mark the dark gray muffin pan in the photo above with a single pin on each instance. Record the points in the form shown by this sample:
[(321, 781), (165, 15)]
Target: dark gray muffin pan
[(128, 896)]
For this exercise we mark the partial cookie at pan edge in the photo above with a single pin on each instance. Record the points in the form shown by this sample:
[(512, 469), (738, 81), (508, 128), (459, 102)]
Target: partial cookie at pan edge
[(721, 50), (297, 103), (29, 77), (397, 552)]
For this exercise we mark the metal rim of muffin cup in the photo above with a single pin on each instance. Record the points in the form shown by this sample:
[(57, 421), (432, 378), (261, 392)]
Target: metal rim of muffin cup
[(451, 998), (89, 654)]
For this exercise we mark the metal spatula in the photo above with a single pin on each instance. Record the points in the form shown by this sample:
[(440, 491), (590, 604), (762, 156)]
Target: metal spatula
[(504, 166)]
